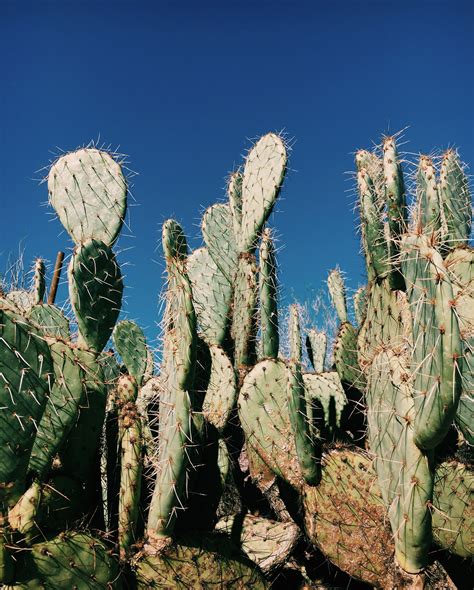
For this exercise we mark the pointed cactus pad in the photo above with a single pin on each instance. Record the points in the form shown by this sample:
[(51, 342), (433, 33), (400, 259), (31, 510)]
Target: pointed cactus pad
[(95, 288)]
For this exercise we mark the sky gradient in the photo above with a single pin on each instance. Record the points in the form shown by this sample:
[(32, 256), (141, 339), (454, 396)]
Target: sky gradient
[(183, 87)]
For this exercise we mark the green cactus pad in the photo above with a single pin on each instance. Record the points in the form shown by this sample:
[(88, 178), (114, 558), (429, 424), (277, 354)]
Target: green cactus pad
[(234, 191), (243, 329), (394, 195), (456, 206), (26, 371), (89, 193), (176, 431), (50, 320), (39, 281), (374, 239), (130, 343), (221, 392), (460, 265), (266, 542), (453, 508), (212, 296), (268, 298), (202, 562), (316, 345), (174, 241), (437, 345), (74, 560), (61, 503), (22, 516), (337, 290), (62, 407), (265, 419), (218, 233), (95, 289), (346, 357), (21, 299), (427, 212), (360, 304), (327, 390), (131, 463), (263, 174)]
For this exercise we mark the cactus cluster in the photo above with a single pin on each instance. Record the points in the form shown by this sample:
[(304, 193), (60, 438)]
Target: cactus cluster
[(233, 465)]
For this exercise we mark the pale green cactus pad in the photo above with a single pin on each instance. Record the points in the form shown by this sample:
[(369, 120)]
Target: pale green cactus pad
[(218, 233), (221, 394), (325, 388), (263, 174), (212, 296), (267, 542), (89, 193)]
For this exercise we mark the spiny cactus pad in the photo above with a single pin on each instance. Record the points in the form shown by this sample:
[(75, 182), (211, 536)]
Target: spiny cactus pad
[(200, 563), (26, 370), (50, 320), (95, 288), (130, 343), (89, 192), (221, 393)]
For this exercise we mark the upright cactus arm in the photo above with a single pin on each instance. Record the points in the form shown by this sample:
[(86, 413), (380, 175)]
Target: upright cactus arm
[(316, 345), (39, 281), (268, 298), (305, 443), (177, 373), (394, 191), (337, 291), (437, 345), (234, 191), (372, 227), (360, 304), (131, 462), (218, 231), (427, 211), (455, 201)]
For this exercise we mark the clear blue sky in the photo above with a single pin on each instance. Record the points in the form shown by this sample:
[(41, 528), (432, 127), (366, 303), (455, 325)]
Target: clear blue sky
[(181, 87)]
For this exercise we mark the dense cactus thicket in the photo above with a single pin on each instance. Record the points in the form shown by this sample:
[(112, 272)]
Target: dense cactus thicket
[(230, 466)]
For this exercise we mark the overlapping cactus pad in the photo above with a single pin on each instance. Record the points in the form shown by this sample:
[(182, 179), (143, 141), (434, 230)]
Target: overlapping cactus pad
[(235, 467)]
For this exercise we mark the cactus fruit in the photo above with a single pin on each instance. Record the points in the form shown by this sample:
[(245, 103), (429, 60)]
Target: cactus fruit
[(95, 289), (89, 193)]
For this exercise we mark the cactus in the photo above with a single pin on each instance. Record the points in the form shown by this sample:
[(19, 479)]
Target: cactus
[(95, 289), (410, 344), (89, 193), (268, 298), (50, 320), (316, 344), (130, 343), (175, 423), (199, 562)]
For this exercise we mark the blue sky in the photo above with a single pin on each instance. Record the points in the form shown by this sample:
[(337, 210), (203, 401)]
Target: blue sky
[(182, 88)]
